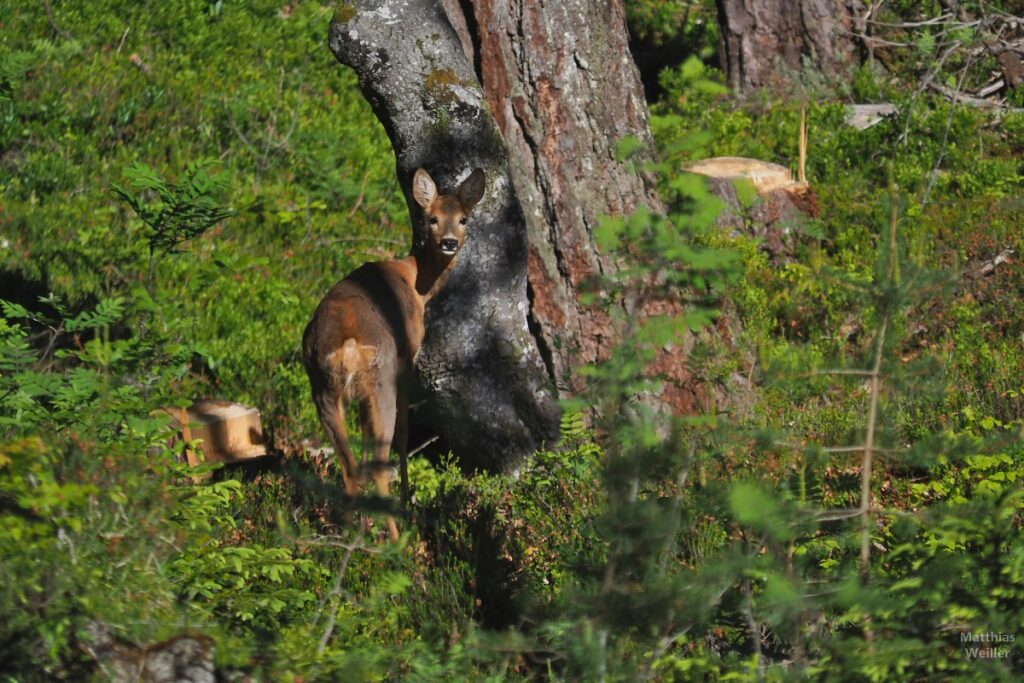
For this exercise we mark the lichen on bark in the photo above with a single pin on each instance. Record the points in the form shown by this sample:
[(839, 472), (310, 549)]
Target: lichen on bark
[(343, 12)]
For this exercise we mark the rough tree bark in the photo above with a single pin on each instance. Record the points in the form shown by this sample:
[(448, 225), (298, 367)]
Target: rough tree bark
[(484, 382), (563, 89), (765, 42)]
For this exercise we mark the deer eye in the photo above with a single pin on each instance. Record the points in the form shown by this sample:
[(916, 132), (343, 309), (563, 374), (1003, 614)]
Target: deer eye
[(463, 220), (433, 220)]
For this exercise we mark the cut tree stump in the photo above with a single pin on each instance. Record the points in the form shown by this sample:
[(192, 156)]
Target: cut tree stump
[(230, 432), (763, 175), (784, 202)]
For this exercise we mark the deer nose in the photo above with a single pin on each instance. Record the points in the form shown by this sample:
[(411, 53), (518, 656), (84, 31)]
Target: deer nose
[(449, 244)]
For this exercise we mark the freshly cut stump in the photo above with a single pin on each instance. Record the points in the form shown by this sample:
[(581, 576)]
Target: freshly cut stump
[(764, 175), (785, 203), (229, 431)]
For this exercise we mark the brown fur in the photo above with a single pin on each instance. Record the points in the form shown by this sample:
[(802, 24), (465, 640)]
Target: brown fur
[(363, 338)]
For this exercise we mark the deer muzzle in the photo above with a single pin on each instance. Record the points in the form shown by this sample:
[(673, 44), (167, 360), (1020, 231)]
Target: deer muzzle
[(449, 245)]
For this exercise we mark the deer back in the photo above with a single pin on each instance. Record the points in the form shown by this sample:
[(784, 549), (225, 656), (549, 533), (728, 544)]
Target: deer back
[(376, 307)]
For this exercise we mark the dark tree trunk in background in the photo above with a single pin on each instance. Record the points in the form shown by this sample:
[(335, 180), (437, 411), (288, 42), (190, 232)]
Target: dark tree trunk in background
[(765, 42), (486, 389), (563, 89)]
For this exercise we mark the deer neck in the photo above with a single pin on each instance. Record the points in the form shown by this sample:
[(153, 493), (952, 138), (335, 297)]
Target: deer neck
[(432, 271)]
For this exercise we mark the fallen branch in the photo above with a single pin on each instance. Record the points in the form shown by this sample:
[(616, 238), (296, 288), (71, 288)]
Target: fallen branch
[(989, 266), (336, 591), (969, 100), (53, 22)]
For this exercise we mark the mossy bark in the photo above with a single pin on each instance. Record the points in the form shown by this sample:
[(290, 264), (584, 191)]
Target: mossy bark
[(484, 385)]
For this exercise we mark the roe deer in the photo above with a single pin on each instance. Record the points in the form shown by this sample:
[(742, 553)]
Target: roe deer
[(364, 336)]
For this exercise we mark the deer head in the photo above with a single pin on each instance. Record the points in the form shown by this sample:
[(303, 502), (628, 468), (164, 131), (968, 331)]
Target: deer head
[(447, 215)]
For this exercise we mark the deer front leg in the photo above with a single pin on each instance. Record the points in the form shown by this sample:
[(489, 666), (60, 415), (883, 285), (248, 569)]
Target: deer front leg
[(402, 446)]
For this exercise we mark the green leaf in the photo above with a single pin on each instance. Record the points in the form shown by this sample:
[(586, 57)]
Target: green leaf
[(13, 67), (13, 311), (746, 193), (781, 591), (608, 233), (755, 507), (692, 67), (627, 147), (926, 43), (690, 185)]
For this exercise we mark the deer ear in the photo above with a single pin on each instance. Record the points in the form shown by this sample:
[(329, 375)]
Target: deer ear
[(424, 191), (471, 190)]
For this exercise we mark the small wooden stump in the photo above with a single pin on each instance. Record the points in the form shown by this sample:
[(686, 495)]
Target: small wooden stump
[(784, 204), (230, 432), (765, 176)]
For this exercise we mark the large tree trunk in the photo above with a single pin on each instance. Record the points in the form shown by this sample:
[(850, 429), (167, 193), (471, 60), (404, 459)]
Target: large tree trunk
[(766, 43), (486, 389), (561, 86), (563, 89)]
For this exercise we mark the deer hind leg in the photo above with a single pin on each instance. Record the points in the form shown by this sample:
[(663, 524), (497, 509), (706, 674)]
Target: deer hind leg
[(379, 431), (331, 409), (348, 370)]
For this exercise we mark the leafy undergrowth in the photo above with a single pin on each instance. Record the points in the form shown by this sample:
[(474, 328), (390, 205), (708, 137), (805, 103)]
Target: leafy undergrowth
[(181, 181)]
